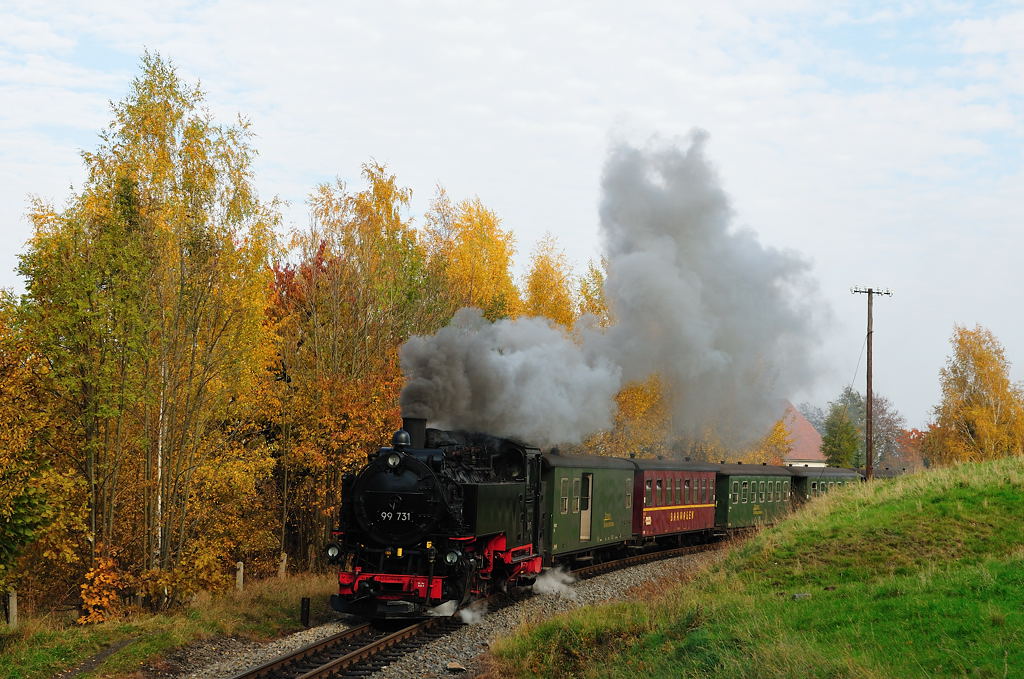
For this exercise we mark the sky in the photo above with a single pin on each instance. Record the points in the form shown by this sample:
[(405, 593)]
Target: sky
[(881, 141)]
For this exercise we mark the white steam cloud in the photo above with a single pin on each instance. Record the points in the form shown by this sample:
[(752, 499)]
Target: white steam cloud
[(557, 582), (729, 324)]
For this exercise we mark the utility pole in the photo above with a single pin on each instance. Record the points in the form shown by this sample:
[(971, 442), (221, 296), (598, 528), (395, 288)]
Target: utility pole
[(868, 443)]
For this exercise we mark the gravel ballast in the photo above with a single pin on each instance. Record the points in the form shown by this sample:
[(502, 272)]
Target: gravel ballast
[(465, 646), (227, 656), (221, 658)]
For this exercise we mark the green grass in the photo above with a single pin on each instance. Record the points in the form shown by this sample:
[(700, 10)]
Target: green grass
[(921, 576), (43, 647)]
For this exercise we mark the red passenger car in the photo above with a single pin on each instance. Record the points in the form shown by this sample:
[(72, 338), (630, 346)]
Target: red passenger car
[(673, 498)]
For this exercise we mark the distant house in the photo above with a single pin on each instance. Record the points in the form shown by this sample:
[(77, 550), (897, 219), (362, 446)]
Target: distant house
[(806, 447)]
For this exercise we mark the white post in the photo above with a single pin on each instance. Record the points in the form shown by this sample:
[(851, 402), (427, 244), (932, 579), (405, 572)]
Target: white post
[(239, 575), (282, 565), (12, 608)]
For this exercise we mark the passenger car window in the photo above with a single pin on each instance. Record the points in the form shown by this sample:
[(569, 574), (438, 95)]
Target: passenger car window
[(686, 492), (760, 493), (575, 496), (648, 493), (565, 496), (743, 492), (660, 494), (735, 492), (629, 493)]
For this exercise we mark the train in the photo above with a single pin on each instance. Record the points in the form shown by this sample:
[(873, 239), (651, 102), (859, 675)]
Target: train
[(440, 518)]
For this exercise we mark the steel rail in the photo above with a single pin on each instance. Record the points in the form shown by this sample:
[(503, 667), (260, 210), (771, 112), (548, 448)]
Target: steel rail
[(338, 665), (285, 659)]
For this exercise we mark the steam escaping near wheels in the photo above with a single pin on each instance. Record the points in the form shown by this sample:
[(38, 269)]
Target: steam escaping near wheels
[(729, 324), (555, 581)]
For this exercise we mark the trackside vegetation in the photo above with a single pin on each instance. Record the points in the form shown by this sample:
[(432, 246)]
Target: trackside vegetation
[(920, 576), (44, 647)]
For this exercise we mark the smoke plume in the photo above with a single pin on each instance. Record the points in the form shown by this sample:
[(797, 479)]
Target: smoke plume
[(522, 378), (728, 323)]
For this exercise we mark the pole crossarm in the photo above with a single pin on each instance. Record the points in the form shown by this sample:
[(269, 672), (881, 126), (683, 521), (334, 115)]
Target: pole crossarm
[(869, 447)]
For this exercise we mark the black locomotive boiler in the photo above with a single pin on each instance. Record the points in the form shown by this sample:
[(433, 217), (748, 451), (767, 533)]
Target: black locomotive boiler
[(434, 520)]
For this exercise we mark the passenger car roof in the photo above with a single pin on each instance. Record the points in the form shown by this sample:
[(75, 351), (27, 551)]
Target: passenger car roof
[(586, 461)]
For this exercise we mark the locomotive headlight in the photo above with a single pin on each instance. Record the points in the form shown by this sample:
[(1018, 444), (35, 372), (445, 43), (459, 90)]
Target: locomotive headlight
[(333, 552), (393, 459), (451, 558)]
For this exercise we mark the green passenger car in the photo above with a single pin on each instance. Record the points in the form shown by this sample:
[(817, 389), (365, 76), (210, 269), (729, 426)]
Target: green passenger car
[(751, 495), (587, 503), (810, 482)]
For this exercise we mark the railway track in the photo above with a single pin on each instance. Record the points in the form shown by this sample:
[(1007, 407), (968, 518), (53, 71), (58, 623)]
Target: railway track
[(362, 650)]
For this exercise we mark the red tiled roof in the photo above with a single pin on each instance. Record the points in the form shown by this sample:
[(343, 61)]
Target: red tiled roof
[(806, 439)]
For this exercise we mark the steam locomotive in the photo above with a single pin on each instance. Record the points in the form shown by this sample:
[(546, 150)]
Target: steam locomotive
[(440, 518)]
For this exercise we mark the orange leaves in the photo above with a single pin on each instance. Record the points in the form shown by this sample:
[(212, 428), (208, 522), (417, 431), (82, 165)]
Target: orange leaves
[(101, 591)]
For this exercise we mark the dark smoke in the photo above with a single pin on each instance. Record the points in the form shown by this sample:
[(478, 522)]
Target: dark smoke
[(521, 378), (727, 322)]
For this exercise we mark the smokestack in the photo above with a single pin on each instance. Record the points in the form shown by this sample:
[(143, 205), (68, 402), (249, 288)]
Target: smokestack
[(417, 428)]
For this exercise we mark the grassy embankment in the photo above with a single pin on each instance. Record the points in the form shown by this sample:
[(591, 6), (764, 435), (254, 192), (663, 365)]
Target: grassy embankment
[(43, 647), (921, 576)]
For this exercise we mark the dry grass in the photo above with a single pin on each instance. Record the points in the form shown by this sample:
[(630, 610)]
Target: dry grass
[(45, 646)]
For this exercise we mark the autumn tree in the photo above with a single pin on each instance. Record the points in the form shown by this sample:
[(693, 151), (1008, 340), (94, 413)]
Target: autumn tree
[(549, 284), (357, 285), (642, 423), (774, 447), (24, 503), (981, 414), (841, 439), (591, 295), (147, 295), (466, 243)]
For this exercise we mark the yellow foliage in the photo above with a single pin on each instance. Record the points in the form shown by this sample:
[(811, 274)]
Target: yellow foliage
[(591, 294), (981, 415), (549, 284), (642, 423), (774, 447), (467, 243)]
